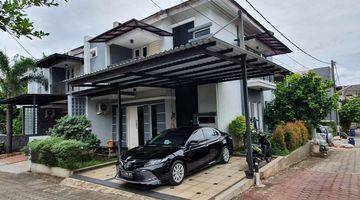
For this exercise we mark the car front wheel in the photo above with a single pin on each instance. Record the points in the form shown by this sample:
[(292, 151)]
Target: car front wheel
[(177, 173), (225, 155)]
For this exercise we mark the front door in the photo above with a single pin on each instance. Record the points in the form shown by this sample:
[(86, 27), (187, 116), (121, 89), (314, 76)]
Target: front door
[(140, 110)]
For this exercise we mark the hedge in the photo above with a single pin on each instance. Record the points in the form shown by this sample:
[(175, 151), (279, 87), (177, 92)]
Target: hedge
[(290, 136), (58, 152)]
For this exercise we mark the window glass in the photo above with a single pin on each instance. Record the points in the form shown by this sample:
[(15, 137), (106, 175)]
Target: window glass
[(171, 137), (28, 120), (210, 133), (144, 52), (201, 32), (198, 135), (78, 106), (137, 53)]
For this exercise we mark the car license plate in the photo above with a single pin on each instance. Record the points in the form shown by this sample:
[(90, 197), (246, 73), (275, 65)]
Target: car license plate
[(126, 174)]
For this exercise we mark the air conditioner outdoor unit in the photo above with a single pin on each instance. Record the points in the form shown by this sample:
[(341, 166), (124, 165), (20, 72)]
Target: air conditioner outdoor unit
[(102, 108)]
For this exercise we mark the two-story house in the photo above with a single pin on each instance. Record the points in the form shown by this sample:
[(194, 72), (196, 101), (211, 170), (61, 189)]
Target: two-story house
[(146, 111)]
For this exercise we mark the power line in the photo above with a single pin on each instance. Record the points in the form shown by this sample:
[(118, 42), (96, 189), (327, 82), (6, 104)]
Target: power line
[(297, 62), (223, 27), (209, 18), (172, 20), (285, 64), (22, 46), (285, 35), (156, 4)]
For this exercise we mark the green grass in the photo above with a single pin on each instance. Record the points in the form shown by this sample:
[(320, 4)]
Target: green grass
[(278, 152)]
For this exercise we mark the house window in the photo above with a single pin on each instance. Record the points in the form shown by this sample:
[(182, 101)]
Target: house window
[(29, 121), (144, 51), (78, 106), (202, 32), (93, 52), (137, 53), (158, 118), (141, 52), (114, 125)]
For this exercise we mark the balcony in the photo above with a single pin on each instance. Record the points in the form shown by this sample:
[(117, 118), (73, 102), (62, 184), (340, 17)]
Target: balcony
[(260, 84), (58, 88)]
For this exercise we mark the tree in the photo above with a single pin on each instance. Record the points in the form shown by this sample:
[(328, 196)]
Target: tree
[(301, 97), (14, 79), (349, 112), (14, 19), (77, 128)]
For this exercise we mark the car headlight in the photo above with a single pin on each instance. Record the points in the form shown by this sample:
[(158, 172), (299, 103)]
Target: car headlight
[(155, 162)]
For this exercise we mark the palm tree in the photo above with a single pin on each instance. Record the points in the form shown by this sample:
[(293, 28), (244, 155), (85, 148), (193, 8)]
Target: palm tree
[(14, 79), (13, 82)]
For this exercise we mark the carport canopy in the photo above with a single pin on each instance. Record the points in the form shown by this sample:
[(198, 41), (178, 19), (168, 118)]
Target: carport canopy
[(26, 99), (200, 62)]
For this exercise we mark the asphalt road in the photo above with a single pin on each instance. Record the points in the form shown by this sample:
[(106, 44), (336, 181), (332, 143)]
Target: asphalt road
[(28, 186)]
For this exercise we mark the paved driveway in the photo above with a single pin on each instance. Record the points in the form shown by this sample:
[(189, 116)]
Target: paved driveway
[(335, 177), (39, 187)]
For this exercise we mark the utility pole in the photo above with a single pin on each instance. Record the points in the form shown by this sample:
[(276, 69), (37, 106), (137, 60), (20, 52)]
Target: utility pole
[(333, 63)]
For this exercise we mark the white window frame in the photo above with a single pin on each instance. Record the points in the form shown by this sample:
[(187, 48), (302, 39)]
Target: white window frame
[(200, 30), (141, 51), (93, 50)]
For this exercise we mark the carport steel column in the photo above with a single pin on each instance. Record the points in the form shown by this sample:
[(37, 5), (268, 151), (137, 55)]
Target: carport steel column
[(249, 155), (119, 123)]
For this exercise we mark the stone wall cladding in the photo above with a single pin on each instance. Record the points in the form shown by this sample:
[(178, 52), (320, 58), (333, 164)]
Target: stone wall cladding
[(19, 141)]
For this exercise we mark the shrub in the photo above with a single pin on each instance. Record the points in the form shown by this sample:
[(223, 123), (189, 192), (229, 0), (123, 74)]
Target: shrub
[(238, 126), (305, 135), (77, 128), (290, 136), (56, 151), (278, 138), (70, 152)]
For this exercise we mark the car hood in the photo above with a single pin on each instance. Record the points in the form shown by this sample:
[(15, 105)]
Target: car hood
[(150, 152)]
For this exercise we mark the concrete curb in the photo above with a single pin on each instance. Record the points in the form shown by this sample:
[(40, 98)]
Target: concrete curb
[(278, 164), (53, 171), (71, 182), (283, 162), (62, 172), (235, 190), (94, 167)]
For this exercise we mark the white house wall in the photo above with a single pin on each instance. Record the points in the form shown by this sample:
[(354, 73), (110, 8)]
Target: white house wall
[(228, 98), (207, 98), (101, 124)]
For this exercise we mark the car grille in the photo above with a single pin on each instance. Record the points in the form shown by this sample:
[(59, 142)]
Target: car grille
[(133, 164)]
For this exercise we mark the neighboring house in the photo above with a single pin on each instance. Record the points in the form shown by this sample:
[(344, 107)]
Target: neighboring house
[(349, 91), (328, 74), (147, 111)]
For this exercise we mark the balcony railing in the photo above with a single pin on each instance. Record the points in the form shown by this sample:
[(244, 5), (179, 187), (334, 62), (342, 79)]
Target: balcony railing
[(58, 88)]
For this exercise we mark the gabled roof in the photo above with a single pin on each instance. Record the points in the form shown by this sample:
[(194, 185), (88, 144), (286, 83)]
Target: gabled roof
[(126, 27), (268, 39), (57, 58)]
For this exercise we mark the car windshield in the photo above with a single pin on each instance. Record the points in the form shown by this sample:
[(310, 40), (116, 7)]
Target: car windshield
[(171, 137)]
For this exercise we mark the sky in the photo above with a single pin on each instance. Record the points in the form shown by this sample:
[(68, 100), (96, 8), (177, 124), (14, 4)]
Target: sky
[(327, 29)]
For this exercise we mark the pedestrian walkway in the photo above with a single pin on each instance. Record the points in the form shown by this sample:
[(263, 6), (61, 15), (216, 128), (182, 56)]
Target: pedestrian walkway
[(14, 164), (334, 177)]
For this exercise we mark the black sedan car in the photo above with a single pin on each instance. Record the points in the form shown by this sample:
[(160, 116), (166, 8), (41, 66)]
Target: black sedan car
[(174, 153)]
